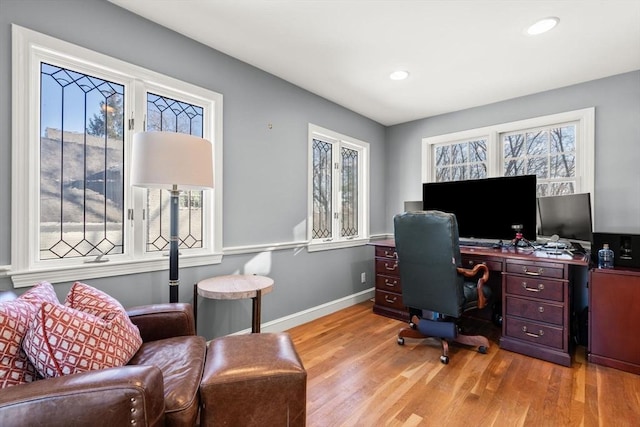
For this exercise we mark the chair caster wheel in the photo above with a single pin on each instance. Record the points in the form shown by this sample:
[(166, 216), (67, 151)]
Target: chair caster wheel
[(400, 341), (444, 360), (482, 349)]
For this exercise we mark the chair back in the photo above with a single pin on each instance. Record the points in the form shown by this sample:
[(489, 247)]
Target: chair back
[(428, 256)]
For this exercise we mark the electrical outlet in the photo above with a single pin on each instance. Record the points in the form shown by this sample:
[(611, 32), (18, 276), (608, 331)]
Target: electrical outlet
[(363, 277)]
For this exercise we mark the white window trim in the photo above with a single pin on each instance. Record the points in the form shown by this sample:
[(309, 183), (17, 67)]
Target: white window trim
[(585, 147), (29, 46), (363, 190)]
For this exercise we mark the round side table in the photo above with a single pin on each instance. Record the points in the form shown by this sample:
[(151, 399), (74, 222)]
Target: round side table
[(235, 286)]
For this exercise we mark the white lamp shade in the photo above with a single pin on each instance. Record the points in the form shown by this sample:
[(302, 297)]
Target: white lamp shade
[(165, 159)]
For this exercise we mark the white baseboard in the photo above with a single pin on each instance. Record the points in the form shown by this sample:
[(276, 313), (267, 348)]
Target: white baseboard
[(301, 317)]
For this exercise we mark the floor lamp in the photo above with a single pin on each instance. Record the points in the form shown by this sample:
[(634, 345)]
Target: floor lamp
[(175, 162)]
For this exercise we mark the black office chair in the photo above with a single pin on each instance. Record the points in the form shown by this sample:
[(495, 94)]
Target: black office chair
[(435, 288)]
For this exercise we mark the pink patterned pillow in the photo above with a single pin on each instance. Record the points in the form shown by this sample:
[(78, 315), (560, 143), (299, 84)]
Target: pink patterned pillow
[(41, 292), (63, 340), (15, 319)]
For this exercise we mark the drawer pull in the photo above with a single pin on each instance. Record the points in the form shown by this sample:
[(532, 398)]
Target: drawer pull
[(541, 309), (532, 273), (538, 335), (390, 284), (390, 300), (393, 254), (538, 289), (395, 265)]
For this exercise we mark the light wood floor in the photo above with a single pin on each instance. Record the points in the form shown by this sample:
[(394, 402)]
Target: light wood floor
[(359, 376)]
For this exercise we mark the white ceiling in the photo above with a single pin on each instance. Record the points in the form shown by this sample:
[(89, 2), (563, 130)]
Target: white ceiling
[(460, 54)]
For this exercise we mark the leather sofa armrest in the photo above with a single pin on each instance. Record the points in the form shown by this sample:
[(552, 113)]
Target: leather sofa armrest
[(127, 395), (160, 321)]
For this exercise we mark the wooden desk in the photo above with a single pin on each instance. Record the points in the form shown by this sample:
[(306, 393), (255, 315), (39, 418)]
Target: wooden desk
[(235, 286), (535, 289)]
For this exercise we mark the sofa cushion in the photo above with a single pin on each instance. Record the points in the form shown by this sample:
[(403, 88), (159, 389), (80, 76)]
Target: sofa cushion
[(63, 340), (181, 360), (15, 318)]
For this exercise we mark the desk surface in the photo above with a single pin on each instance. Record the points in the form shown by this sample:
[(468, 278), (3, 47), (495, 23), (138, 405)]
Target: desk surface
[(509, 252), (234, 286)]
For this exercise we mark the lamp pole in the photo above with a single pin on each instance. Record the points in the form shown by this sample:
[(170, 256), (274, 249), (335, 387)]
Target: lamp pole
[(174, 281)]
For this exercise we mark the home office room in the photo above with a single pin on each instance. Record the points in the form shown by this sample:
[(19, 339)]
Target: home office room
[(316, 140)]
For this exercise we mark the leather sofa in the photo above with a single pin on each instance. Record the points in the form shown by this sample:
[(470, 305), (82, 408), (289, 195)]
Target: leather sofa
[(159, 386)]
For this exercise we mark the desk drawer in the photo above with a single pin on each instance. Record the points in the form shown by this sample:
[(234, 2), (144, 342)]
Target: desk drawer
[(535, 332), (386, 252), (387, 267), (388, 283), (389, 299), (470, 262), (535, 310), (533, 287), (536, 269)]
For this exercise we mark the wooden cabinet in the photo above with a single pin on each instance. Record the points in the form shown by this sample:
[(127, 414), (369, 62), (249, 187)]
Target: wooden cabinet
[(614, 317), (388, 291), (536, 309)]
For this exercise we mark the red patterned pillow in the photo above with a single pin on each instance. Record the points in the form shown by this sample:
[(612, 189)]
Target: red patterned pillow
[(15, 318), (93, 301), (64, 341), (15, 368)]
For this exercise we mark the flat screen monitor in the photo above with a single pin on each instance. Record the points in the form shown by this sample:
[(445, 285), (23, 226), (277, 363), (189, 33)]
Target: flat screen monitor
[(487, 208), (568, 216)]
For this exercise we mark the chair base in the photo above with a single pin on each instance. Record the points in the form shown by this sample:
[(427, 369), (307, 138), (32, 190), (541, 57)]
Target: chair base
[(471, 340)]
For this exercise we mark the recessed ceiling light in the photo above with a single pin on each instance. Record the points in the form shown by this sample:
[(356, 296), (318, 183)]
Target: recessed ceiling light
[(399, 75), (542, 26)]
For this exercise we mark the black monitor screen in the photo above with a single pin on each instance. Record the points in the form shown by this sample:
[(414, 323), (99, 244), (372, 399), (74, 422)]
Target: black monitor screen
[(487, 208), (568, 216)]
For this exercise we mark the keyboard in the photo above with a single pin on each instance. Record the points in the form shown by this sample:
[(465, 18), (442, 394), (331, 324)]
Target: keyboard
[(478, 243)]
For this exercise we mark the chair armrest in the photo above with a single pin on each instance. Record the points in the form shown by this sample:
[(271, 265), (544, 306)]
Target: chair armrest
[(159, 321), (473, 272), (127, 395)]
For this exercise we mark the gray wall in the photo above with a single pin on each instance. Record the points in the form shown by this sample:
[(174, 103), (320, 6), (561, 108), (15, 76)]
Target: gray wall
[(265, 171), (616, 100)]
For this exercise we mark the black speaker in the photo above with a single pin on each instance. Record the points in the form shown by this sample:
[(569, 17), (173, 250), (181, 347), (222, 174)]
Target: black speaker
[(626, 248)]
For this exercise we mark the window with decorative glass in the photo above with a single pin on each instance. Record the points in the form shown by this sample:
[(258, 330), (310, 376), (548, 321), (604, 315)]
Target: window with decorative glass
[(558, 149), (338, 189), (75, 208)]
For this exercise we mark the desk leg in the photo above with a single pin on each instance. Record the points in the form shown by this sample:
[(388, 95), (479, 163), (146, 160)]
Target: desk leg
[(195, 306), (257, 303)]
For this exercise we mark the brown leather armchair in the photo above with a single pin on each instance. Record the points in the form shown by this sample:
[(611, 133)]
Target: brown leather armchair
[(158, 387)]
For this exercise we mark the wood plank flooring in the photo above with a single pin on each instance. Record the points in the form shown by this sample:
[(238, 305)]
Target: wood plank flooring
[(359, 376)]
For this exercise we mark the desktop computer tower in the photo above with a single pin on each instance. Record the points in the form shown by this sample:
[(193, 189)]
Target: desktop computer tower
[(626, 248)]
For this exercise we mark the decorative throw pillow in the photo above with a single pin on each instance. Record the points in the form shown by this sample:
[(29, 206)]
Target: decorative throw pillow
[(93, 301), (91, 331), (15, 318), (41, 292)]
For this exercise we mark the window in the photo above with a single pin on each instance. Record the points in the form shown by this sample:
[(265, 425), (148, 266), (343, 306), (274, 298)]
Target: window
[(548, 152), (558, 149), (338, 190), (74, 115)]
